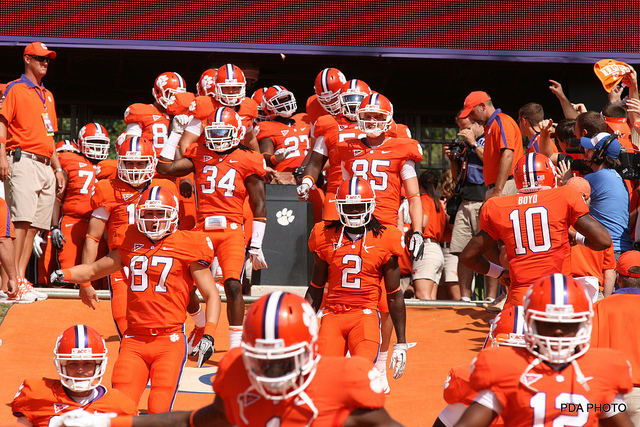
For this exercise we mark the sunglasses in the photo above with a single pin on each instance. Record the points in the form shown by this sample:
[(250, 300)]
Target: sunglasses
[(40, 58)]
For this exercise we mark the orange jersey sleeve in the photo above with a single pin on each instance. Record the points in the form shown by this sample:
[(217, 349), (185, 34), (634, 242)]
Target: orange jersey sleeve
[(611, 320), (294, 136), (107, 169), (380, 166), (81, 179), (355, 268), (154, 123), (201, 107), (40, 399), (587, 262), (434, 228), (220, 180), (501, 133), (534, 229), (120, 200), (181, 103), (339, 386), (456, 386), (159, 276), (314, 109), (501, 369)]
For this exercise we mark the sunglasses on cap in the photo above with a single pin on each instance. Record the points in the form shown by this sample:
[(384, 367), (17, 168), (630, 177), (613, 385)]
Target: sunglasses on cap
[(40, 58)]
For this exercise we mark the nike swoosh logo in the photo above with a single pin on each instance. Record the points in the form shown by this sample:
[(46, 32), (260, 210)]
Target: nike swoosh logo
[(167, 249), (366, 248), (233, 161), (385, 152), (129, 336)]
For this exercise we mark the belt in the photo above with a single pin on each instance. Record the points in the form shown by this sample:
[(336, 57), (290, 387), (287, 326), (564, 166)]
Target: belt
[(494, 184), (445, 244), (153, 331), (37, 157)]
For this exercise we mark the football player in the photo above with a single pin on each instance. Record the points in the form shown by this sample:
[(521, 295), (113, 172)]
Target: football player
[(352, 256), (226, 173), (229, 89), (278, 378), (159, 258), (507, 329), (72, 209), (80, 356), (326, 99), (113, 203), (557, 379), (151, 121), (534, 227), (388, 163)]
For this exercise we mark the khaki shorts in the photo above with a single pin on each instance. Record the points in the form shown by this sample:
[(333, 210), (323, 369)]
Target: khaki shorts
[(31, 192), (465, 225), (450, 266), (431, 265)]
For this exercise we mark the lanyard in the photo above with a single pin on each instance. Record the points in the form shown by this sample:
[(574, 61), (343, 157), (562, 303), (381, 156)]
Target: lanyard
[(42, 98)]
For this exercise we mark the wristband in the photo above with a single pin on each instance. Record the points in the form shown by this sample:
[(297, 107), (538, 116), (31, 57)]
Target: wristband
[(210, 329), (580, 239), (272, 159), (412, 196), (56, 170), (169, 149), (193, 413), (67, 274), (89, 236), (316, 286), (495, 270), (396, 290), (122, 421), (257, 235), (54, 227), (84, 285), (308, 179)]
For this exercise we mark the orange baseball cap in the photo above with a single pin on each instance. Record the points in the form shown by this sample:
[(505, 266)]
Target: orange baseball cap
[(626, 261), (580, 184), (610, 72), (39, 49), (473, 99), (618, 124)]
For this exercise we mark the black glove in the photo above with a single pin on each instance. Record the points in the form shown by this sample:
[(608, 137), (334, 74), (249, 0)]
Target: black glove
[(57, 237), (205, 349)]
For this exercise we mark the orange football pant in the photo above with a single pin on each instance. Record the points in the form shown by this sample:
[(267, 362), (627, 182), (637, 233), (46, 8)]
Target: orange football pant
[(356, 330), (160, 358), (118, 285), (515, 296), (229, 248), (74, 231)]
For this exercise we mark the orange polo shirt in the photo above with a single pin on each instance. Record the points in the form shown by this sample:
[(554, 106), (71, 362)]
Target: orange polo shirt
[(22, 107)]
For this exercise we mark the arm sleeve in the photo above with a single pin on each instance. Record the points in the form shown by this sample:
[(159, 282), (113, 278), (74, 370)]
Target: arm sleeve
[(134, 129), (408, 170), (321, 146), (194, 127), (101, 213), (488, 398)]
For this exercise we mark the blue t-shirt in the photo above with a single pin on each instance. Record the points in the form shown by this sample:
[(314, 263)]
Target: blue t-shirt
[(610, 206)]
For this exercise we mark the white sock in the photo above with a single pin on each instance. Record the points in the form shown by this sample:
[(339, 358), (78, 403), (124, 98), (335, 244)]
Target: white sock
[(235, 336), (465, 299), (199, 318), (381, 363)]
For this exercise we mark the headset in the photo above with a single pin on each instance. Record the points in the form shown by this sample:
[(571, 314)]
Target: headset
[(600, 153)]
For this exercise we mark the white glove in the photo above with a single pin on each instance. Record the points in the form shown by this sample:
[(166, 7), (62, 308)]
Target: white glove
[(283, 153), (303, 191), (399, 358), (205, 349), (81, 418), (416, 245), (257, 258), (57, 278), (180, 122), (37, 242), (404, 207)]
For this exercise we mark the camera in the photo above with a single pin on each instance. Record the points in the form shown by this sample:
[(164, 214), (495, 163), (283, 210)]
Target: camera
[(457, 148)]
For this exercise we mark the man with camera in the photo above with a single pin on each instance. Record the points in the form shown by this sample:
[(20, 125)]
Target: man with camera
[(466, 153), (609, 195)]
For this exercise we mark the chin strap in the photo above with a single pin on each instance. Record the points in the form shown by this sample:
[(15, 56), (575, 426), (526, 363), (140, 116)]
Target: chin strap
[(582, 380), (339, 245), (523, 377)]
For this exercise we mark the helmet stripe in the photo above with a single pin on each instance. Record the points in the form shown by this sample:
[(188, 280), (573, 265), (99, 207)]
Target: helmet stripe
[(559, 292), (530, 171), (154, 194), (324, 80), (354, 84), (518, 327), (270, 317), (230, 73), (180, 80), (219, 113), (353, 186), (135, 144), (98, 128), (82, 337)]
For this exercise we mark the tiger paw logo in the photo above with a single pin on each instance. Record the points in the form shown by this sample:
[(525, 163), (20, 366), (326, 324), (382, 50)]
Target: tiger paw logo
[(285, 217)]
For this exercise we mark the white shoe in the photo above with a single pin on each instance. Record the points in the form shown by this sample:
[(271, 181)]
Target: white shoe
[(23, 296), (40, 296), (3, 296)]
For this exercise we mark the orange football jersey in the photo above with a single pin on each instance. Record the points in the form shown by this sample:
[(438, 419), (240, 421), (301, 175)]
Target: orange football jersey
[(81, 179), (293, 136), (582, 261), (159, 277), (355, 268), (107, 169), (335, 129), (120, 199), (611, 328), (540, 394), (154, 124), (380, 166), (181, 103), (534, 228), (315, 110), (434, 228), (202, 106), (339, 387), (220, 180), (40, 399)]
